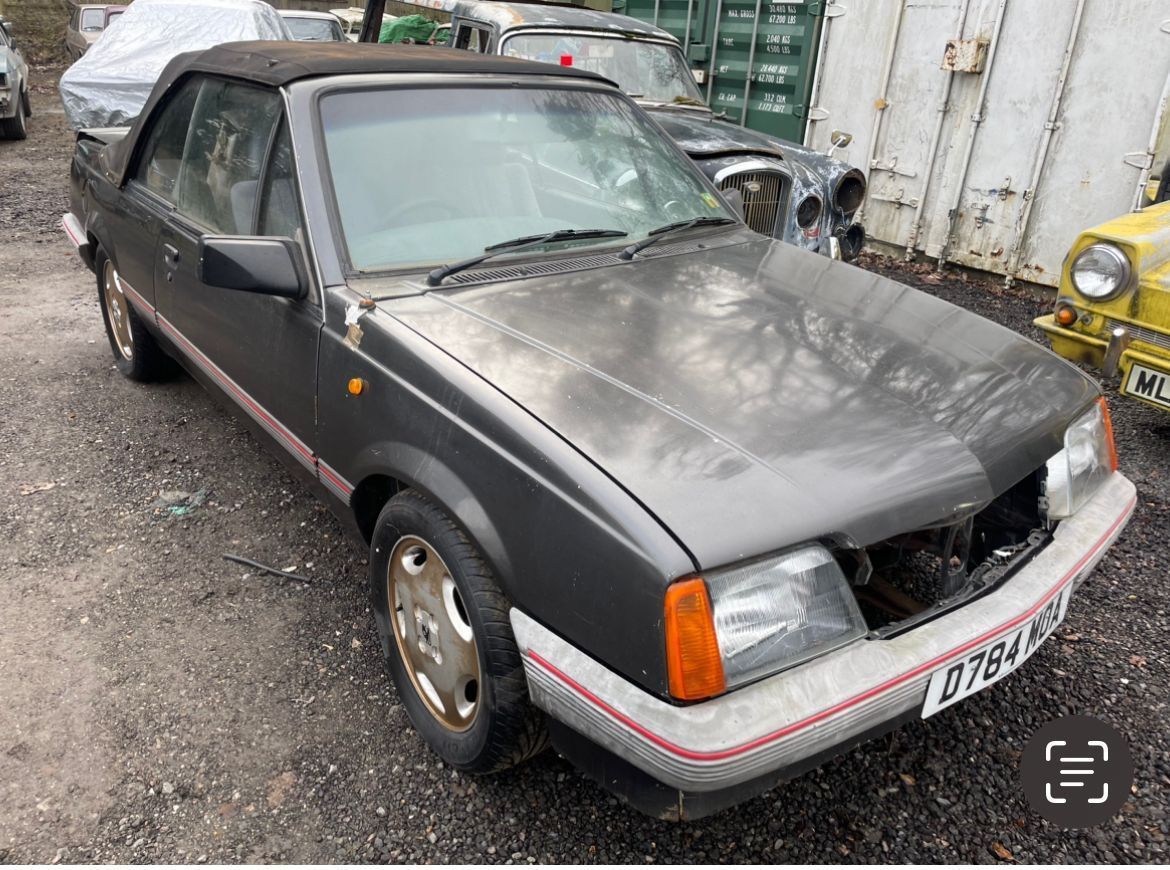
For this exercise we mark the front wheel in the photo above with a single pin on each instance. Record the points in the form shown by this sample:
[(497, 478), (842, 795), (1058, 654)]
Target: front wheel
[(15, 127), (447, 640)]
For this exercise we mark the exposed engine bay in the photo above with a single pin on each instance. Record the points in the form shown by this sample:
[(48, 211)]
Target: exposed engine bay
[(909, 579)]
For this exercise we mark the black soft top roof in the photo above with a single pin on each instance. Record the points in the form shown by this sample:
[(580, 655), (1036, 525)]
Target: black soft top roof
[(276, 63)]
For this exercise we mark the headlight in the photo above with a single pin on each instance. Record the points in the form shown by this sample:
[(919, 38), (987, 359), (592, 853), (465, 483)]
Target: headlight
[(1088, 458), (1100, 271), (759, 618), (850, 192), (808, 212)]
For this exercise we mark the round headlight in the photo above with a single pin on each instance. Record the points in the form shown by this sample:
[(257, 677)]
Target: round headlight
[(1100, 271), (850, 192), (808, 212)]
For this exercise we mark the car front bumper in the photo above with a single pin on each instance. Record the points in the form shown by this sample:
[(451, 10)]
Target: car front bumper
[(1112, 354), (752, 737)]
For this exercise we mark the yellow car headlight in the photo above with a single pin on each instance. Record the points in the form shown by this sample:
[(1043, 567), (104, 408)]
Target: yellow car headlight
[(1101, 272)]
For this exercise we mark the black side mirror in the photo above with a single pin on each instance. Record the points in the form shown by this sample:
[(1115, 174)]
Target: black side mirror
[(733, 196), (254, 264)]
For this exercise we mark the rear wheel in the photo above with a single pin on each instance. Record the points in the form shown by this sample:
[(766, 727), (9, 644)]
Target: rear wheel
[(136, 353), (447, 640)]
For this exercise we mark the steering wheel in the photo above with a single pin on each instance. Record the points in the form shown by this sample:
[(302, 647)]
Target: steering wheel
[(423, 210), (675, 210)]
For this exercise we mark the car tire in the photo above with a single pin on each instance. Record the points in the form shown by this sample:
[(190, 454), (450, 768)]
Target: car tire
[(136, 352), (15, 127), (438, 607), (26, 104)]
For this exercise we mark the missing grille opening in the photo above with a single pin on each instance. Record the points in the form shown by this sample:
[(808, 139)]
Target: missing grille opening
[(908, 579)]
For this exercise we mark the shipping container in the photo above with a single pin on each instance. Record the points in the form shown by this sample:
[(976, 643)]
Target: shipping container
[(754, 59), (993, 131)]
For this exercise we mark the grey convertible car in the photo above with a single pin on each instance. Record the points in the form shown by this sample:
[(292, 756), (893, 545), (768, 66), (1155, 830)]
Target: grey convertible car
[(699, 507)]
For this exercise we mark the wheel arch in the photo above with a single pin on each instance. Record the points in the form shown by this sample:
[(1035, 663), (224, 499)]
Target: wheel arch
[(383, 474), (96, 235)]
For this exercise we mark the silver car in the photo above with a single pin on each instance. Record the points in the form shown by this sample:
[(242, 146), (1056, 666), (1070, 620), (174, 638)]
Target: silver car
[(15, 108)]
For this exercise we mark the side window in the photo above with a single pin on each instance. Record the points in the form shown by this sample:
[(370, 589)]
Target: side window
[(472, 38), (280, 210), (158, 166), (92, 19), (219, 178)]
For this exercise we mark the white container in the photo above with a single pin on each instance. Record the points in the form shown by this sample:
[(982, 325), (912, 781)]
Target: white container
[(1043, 118)]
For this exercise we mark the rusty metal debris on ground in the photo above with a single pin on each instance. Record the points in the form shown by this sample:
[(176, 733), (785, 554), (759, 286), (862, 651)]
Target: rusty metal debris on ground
[(279, 572)]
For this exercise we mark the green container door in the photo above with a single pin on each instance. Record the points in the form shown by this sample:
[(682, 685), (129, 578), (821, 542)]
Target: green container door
[(725, 38), (671, 15), (777, 42)]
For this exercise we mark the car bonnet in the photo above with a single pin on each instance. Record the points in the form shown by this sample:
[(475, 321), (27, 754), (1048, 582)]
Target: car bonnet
[(754, 396)]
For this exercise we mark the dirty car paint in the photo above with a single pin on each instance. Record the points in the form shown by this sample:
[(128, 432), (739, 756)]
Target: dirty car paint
[(754, 397)]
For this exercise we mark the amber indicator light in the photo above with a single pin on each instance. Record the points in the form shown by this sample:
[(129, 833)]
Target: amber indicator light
[(694, 665), (1066, 315), (1109, 432), (356, 386)]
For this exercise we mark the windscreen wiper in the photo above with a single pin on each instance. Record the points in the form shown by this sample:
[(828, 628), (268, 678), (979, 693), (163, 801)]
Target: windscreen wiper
[(435, 278), (656, 235)]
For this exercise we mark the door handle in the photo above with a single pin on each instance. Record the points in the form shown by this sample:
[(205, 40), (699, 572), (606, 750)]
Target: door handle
[(170, 255)]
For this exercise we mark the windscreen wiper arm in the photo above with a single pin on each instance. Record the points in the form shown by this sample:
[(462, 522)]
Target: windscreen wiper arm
[(656, 235), (435, 278)]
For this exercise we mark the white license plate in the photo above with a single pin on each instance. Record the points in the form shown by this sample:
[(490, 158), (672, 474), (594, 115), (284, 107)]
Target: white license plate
[(1149, 384), (979, 668)]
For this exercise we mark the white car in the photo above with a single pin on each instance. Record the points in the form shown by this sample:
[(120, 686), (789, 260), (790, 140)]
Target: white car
[(314, 26), (109, 85)]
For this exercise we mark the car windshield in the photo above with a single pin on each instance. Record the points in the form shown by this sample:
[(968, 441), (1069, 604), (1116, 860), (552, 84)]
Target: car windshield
[(314, 29), (93, 19), (424, 177), (652, 71)]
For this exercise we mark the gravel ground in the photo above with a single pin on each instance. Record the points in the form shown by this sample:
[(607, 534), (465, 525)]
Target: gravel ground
[(160, 704)]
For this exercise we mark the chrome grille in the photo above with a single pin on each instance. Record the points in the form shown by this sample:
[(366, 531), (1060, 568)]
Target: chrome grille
[(764, 194), (1140, 333)]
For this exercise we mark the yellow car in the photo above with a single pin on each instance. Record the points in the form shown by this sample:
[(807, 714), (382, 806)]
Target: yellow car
[(1113, 307)]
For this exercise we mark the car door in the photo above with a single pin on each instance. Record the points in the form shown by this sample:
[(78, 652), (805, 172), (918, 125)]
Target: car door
[(73, 35), (138, 213), (237, 179)]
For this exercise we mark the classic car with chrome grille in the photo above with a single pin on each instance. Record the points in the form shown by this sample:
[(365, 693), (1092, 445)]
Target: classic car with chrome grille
[(697, 506), (787, 191), (1113, 307)]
